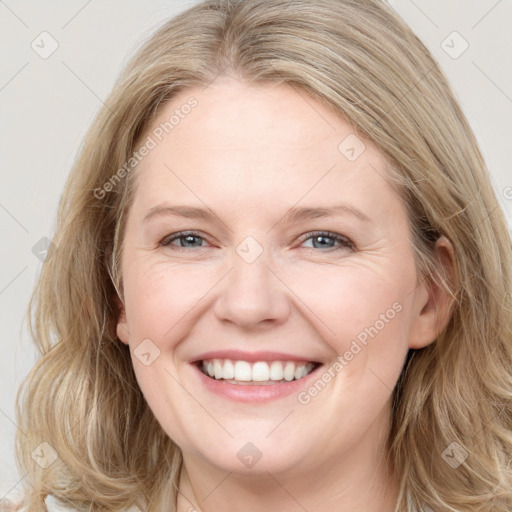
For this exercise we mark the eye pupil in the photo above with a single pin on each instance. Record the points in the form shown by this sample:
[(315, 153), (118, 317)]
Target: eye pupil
[(189, 238), (319, 238), (183, 240)]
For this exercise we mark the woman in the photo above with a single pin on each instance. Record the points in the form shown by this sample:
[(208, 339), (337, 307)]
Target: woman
[(281, 280)]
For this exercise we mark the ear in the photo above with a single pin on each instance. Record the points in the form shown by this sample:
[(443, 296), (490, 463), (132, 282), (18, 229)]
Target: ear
[(122, 324), (434, 304)]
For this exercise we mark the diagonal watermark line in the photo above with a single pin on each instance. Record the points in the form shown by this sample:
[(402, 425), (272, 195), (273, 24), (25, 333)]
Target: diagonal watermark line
[(14, 76), (216, 487), (199, 403), (501, 409), (304, 195), (76, 14), (14, 486), (286, 491), (193, 506), (485, 15), (86, 86), (117, 374), (129, 128), (13, 217), (390, 389), (299, 93), (406, 295), (198, 197), (13, 13), (197, 302), (378, 173), (13, 422), (12, 280), (492, 81), (495, 416), (489, 213), (414, 85), (215, 78), (301, 300), (280, 423), (105, 397), (424, 13)]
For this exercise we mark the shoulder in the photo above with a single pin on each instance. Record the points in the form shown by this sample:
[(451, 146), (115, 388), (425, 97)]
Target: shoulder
[(52, 505), (55, 505)]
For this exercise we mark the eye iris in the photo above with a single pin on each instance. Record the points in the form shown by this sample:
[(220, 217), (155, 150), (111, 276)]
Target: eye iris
[(322, 237), (319, 241), (188, 239)]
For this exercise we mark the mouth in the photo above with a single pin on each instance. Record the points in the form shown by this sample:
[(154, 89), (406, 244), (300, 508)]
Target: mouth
[(256, 373)]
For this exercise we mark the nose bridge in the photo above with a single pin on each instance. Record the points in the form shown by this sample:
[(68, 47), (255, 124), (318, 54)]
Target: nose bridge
[(251, 292)]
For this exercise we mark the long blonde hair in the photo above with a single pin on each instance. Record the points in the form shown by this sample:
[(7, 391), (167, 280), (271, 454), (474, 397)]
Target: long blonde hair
[(452, 401)]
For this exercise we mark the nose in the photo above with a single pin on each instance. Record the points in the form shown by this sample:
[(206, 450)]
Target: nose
[(252, 295)]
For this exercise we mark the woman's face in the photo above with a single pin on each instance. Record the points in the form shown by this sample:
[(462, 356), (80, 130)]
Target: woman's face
[(226, 258)]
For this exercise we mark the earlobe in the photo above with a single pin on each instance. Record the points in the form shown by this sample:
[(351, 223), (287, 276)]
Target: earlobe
[(435, 303)]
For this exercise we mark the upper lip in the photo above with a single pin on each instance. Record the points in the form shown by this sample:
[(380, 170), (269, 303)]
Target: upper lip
[(240, 355)]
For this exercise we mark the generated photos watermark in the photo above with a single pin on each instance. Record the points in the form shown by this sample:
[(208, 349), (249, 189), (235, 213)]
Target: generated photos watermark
[(151, 142), (356, 346)]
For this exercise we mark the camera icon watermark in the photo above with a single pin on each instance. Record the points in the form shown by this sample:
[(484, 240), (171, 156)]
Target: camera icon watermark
[(44, 45), (351, 147), (249, 455), (43, 249), (454, 45), (455, 455), (44, 455), (146, 352), (249, 249)]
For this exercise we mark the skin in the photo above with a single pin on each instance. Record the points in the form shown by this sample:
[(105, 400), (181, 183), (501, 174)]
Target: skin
[(249, 153)]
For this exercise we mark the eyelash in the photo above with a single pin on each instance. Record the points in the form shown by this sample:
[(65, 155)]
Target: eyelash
[(345, 243)]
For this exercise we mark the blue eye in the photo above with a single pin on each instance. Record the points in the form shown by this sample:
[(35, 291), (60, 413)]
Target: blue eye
[(188, 238), (321, 239)]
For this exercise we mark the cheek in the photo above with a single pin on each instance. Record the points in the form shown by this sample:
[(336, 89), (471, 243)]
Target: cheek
[(348, 299), (159, 300), (362, 312), (159, 296)]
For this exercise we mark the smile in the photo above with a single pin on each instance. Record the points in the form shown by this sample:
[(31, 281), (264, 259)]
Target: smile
[(244, 372)]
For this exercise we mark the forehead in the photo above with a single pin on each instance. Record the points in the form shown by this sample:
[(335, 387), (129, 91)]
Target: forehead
[(242, 142), (279, 115)]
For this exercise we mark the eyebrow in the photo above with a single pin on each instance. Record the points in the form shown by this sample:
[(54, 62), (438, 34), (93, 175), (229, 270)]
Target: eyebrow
[(293, 215)]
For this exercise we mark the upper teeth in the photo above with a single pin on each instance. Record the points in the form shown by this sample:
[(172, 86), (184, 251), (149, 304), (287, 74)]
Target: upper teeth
[(257, 371)]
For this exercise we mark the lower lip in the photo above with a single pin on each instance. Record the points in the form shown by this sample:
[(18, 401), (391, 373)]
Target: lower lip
[(254, 393)]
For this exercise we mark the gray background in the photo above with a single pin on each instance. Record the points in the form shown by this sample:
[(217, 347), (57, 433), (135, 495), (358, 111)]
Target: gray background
[(48, 103)]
